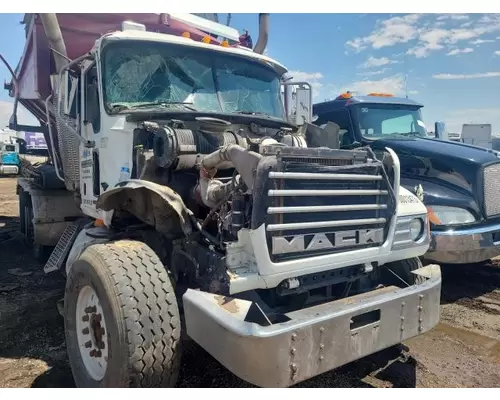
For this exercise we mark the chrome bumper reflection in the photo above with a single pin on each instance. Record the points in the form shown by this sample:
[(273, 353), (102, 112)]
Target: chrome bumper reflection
[(465, 246), (314, 340)]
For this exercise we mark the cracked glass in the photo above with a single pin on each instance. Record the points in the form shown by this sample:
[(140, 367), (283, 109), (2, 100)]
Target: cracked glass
[(149, 74)]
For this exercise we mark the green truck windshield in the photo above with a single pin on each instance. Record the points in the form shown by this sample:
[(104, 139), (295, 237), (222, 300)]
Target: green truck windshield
[(377, 121)]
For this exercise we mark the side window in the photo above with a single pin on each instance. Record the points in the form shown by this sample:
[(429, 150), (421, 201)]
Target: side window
[(340, 117), (403, 123), (72, 102), (92, 109), (343, 120)]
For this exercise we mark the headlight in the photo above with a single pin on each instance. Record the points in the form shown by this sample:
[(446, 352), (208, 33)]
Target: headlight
[(411, 232), (444, 215), (416, 229)]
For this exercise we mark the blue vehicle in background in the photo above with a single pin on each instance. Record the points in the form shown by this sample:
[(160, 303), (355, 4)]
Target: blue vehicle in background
[(10, 163), (457, 182)]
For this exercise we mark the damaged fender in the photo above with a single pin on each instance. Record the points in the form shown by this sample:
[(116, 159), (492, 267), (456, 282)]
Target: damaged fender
[(156, 205)]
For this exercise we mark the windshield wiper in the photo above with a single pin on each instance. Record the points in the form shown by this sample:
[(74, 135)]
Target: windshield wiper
[(246, 112), (151, 104), (258, 114), (411, 134), (166, 104)]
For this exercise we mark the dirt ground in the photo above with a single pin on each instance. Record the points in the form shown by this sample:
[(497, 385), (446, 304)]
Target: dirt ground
[(462, 351)]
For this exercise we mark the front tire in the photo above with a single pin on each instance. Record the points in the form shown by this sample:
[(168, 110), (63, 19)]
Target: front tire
[(403, 269), (120, 306)]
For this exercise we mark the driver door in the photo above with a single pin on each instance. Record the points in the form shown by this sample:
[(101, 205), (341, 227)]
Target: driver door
[(90, 128)]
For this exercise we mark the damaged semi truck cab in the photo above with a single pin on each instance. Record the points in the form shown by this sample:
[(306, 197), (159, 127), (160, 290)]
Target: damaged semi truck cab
[(203, 202), (455, 181)]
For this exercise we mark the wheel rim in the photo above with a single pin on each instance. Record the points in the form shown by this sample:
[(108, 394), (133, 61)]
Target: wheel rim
[(92, 333)]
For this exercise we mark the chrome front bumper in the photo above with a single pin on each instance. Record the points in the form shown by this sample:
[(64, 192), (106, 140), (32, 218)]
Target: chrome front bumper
[(313, 340), (464, 246), (7, 169)]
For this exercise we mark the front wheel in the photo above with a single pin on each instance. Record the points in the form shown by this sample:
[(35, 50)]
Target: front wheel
[(122, 321), (401, 271)]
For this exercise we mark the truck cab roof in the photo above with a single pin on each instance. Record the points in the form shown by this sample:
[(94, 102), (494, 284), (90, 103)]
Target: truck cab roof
[(185, 41), (346, 100)]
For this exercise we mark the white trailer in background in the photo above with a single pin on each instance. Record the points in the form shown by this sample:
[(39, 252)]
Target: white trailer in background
[(477, 135)]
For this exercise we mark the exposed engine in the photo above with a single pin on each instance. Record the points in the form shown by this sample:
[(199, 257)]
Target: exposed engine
[(211, 163), (243, 176)]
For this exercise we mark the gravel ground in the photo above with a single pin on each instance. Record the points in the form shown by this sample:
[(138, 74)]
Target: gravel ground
[(462, 351)]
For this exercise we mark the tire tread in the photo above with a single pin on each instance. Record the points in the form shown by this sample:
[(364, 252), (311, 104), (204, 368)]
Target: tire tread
[(150, 310)]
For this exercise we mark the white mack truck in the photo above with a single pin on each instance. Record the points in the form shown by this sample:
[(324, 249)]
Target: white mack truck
[(183, 196)]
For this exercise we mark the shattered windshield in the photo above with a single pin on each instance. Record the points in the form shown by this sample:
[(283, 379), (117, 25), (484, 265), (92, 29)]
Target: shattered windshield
[(147, 74), (377, 121)]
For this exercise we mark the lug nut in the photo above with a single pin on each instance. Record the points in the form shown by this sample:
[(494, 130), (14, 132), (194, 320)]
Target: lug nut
[(85, 318), (101, 345), (91, 309), (85, 331), (88, 344)]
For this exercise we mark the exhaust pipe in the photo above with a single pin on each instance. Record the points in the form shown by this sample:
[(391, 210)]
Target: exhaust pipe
[(261, 44), (55, 38)]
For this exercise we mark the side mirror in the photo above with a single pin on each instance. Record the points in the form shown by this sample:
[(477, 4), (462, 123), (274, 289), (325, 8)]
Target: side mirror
[(298, 102), (440, 131)]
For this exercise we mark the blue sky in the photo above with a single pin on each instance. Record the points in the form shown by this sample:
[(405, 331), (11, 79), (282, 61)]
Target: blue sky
[(452, 60)]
